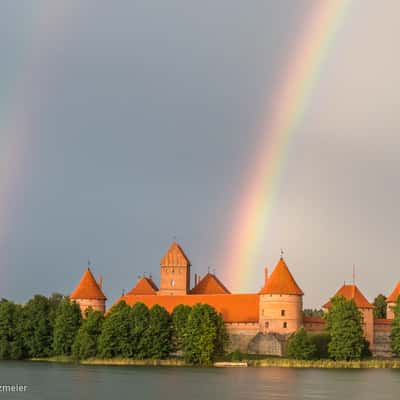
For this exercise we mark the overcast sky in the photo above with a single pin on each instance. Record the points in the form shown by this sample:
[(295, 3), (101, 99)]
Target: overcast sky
[(126, 123)]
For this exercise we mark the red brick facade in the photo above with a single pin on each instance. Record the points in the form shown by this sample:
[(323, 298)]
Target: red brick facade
[(276, 309)]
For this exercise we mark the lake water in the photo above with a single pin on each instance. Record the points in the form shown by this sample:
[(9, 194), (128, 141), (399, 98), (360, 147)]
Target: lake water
[(59, 381)]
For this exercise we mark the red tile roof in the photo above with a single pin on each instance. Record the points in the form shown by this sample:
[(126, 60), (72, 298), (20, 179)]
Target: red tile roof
[(394, 295), (383, 321), (352, 292), (210, 284), (281, 281), (88, 288), (233, 307), (175, 257), (144, 286)]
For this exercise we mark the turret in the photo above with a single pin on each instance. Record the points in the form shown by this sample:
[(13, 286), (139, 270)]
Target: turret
[(174, 272), (391, 301), (364, 306), (281, 302), (89, 293)]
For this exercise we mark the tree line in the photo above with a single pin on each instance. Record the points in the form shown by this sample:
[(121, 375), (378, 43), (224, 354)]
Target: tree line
[(344, 339), (54, 326)]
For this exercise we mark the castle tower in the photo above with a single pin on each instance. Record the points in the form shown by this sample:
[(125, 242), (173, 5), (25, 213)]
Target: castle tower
[(365, 307), (89, 293), (391, 301), (174, 272), (281, 302)]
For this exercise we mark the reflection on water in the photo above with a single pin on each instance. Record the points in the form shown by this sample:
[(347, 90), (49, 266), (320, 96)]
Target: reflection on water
[(58, 381)]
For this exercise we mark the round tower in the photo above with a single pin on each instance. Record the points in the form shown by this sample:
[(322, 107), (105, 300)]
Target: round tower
[(281, 302), (89, 293)]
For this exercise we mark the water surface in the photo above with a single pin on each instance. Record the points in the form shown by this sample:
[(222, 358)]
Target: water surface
[(67, 381)]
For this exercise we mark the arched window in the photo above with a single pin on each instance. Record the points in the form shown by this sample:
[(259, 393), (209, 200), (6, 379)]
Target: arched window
[(285, 325)]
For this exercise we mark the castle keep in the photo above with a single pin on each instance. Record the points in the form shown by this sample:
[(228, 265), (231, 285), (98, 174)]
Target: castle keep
[(257, 323)]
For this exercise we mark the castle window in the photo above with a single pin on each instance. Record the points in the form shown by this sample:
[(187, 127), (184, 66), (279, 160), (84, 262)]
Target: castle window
[(262, 312), (282, 313), (285, 325), (267, 324), (172, 283), (173, 270)]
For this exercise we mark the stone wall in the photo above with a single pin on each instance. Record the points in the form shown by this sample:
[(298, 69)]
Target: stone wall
[(247, 338), (253, 342), (382, 330), (272, 344)]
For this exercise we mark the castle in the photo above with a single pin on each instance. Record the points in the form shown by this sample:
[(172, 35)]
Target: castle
[(257, 323)]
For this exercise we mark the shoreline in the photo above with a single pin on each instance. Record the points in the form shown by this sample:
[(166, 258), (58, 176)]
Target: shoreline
[(259, 363)]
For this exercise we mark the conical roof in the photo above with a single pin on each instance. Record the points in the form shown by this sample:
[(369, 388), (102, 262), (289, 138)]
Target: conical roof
[(210, 284), (88, 288), (281, 281), (394, 295), (352, 292), (175, 257), (144, 286)]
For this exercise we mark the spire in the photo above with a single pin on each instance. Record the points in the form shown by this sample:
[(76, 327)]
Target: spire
[(175, 257), (88, 288), (281, 281)]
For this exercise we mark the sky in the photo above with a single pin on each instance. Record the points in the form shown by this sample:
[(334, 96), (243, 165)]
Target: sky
[(126, 124)]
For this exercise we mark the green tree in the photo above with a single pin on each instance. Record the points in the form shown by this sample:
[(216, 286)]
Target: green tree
[(300, 346), (345, 326), (179, 317), (158, 333), (86, 340), (140, 322), (35, 327), (222, 336), (395, 334), (11, 345), (54, 301), (205, 335), (321, 341), (116, 338), (380, 306), (66, 325)]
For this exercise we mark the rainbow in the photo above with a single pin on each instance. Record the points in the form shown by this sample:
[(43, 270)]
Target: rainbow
[(21, 98), (252, 211)]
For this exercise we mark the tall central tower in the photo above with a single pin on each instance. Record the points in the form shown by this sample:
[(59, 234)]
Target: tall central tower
[(174, 272)]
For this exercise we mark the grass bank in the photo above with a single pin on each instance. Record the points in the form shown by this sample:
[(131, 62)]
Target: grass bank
[(112, 361), (266, 362), (289, 363), (128, 361)]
